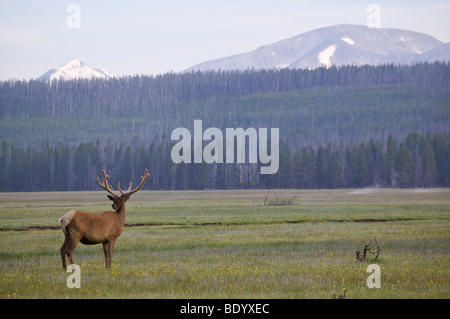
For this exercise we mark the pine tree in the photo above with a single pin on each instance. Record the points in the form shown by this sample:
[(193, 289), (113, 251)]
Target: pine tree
[(334, 173), (389, 161), (404, 167), (428, 165), (441, 150), (4, 171), (361, 171), (321, 167)]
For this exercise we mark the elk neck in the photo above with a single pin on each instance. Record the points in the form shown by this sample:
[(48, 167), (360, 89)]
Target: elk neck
[(121, 213)]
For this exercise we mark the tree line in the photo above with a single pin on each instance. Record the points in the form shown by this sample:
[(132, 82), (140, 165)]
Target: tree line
[(154, 94), (417, 161), (348, 104)]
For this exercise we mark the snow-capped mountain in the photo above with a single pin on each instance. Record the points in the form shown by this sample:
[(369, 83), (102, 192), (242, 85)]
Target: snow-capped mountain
[(75, 69), (336, 45)]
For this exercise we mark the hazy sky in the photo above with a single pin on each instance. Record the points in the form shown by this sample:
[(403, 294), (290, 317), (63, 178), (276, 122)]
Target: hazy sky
[(157, 36)]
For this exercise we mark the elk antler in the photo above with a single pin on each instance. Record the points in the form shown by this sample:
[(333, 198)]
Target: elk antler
[(129, 191), (105, 185)]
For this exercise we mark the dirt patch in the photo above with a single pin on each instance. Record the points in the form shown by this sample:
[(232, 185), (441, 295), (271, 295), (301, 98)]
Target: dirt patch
[(367, 220), (383, 220), (30, 228)]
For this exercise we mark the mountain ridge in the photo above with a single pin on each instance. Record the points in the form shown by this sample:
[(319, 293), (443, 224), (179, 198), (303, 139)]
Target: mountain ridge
[(337, 45)]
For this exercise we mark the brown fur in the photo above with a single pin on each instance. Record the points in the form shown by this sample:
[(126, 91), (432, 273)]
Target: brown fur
[(92, 229)]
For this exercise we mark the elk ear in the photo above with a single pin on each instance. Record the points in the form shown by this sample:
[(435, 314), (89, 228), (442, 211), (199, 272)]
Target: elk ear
[(111, 198)]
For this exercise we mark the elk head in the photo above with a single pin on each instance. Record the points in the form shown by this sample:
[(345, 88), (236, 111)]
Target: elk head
[(119, 201)]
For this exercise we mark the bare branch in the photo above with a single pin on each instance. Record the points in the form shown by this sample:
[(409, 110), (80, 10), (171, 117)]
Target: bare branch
[(362, 256), (278, 201)]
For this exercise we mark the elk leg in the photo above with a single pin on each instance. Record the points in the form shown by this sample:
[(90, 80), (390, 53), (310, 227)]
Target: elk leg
[(70, 249), (67, 249), (107, 258), (110, 250), (63, 252), (70, 246)]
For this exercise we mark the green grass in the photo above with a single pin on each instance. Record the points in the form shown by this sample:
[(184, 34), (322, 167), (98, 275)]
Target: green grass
[(225, 244)]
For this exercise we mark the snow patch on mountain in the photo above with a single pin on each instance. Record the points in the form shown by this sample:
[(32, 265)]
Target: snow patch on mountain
[(348, 40), (282, 65), (325, 55)]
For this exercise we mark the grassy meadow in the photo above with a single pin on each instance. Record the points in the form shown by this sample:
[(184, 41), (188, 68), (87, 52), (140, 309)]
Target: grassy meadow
[(226, 244)]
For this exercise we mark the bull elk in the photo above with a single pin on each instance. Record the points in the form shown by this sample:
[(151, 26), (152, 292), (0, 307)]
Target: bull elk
[(91, 229)]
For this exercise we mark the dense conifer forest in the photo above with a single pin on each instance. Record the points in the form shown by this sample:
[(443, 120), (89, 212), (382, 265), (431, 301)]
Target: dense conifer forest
[(339, 127), (418, 161)]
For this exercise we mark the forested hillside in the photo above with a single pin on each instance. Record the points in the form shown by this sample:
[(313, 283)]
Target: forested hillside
[(418, 161), (312, 107), (339, 127)]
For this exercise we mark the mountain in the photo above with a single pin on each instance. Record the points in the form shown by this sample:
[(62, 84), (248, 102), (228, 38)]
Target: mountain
[(441, 53), (75, 69), (335, 45)]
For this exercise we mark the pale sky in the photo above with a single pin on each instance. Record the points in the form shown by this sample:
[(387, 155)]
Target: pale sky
[(158, 36)]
